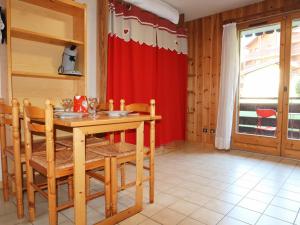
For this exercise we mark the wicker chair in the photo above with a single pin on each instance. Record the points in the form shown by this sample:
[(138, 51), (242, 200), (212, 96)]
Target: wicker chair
[(148, 151), (92, 141), (51, 163), (122, 153), (9, 117)]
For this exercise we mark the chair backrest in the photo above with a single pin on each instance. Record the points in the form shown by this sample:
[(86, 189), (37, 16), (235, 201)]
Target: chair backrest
[(9, 117), (33, 116), (139, 107), (5, 113), (40, 121), (103, 106), (142, 108)]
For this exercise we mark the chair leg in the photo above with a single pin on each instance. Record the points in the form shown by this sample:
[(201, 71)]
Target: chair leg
[(151, 178), (30, 193), (12, 180), (107, 187), (19, 187), (114, 185), (52, 201), (123, 176), (5, 176), (87, 184), (70, 188)]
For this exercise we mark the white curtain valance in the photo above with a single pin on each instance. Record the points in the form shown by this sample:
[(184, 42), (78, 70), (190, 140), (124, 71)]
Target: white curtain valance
[(132, 24), (159, 8)]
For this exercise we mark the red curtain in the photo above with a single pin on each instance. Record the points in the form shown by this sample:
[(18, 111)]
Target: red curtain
[(170, 95), (139, 69)]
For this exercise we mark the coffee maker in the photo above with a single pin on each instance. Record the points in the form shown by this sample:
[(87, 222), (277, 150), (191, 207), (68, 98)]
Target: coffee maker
[(68, 64)]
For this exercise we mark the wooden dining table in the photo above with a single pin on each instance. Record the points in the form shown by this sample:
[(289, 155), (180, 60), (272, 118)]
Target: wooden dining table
[(104, 124)]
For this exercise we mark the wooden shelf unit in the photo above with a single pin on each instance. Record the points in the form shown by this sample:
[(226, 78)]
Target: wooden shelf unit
[(37, 33), (45, 75), (64, 6), (34, 36)]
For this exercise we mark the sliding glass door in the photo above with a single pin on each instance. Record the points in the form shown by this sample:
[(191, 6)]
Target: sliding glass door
[(259, 101), (267, 115), (291, 125), (259, 80)]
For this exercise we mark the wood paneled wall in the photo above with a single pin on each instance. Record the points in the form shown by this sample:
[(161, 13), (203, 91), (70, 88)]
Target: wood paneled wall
[(204, 68), (101, 78), (204, 40)]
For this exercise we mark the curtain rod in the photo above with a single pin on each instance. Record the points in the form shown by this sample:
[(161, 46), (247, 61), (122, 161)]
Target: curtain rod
[(261, 18)]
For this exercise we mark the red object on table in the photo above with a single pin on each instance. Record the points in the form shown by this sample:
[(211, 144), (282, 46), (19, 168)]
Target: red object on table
[(80, 104)]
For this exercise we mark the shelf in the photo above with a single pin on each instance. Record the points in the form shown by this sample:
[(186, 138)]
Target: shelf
[(34, 36), (63, 6), (45, 75)]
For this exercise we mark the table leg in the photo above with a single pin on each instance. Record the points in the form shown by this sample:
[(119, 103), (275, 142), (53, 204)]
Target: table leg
[(107, 181), (114, 185), (79, 176), (139, 166)]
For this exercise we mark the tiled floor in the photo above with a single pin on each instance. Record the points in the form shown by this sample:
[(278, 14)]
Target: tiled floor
[(197, 187)]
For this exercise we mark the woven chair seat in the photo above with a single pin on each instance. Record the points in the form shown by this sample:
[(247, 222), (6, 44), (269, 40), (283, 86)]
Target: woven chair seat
[(90, 141), (36, 147), (115, 150), (64, 161)]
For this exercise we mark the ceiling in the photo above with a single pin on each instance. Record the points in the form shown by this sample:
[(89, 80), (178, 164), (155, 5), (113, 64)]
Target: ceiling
[(194, 9)]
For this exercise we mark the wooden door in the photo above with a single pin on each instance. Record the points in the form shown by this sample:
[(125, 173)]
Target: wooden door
[(291, 96), (259, 105)]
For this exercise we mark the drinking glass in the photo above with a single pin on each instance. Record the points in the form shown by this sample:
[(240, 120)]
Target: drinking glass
[(67, 104), (92, 106)]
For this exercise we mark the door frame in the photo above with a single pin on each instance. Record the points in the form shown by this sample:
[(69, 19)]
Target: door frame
[(263, 144), (290, 147)]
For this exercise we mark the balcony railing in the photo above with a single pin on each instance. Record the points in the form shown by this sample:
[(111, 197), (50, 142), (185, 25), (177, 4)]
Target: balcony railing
[(248, 119)]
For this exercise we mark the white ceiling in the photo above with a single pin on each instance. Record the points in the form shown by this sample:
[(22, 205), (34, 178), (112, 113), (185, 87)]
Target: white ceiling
[(194, 9)]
